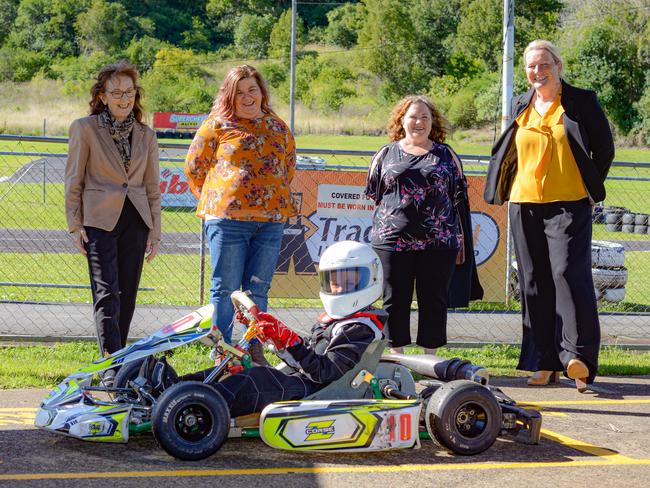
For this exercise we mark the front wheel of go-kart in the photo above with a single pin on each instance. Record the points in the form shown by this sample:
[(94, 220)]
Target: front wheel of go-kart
[(190, 420), (464, 417)]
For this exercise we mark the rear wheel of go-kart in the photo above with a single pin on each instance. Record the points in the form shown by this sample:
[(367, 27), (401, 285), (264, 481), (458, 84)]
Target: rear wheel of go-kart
[(190, 420), (464, 417), (127, 373)]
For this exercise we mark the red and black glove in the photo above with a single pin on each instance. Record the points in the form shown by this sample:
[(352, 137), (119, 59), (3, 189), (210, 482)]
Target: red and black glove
[(241, 318), (274, 330)]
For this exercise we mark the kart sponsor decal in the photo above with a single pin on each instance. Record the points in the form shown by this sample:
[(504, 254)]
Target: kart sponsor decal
[(320, 430)]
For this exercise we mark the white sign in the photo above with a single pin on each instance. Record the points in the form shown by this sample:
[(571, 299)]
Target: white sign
[(174, 188), (485, 233), (343, 200)]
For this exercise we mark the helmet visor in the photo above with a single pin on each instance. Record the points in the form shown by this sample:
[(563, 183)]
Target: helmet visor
[(343, 281)]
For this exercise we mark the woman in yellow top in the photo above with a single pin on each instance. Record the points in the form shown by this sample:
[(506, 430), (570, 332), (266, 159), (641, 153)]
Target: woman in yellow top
[(551, 163), (240, 165)]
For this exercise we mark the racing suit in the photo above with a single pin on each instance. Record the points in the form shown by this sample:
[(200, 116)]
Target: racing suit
[(334, 347)]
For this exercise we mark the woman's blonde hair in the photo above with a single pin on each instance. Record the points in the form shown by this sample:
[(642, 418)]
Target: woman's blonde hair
[(549, 47), (395, 127), (224, 103)]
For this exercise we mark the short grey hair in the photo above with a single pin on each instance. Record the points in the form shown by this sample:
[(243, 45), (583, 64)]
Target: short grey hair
[(547, 46)]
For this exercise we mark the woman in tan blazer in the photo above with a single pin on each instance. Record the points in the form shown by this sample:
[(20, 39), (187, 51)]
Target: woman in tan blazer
[(112, 198)]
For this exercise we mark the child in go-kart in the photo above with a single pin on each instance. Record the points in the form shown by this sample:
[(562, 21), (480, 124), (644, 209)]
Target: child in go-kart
[(350, 281)]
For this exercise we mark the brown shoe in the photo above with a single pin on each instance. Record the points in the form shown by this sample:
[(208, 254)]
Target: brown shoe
[(543, 378), (578, 371), (256, 352)]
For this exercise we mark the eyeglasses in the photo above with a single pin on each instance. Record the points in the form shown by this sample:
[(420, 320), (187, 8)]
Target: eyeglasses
[(119, 94)]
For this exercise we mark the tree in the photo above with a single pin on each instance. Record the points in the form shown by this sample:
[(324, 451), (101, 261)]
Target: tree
[(197, 37), (8, 9), (47, 27), (177, 83), (252, 35), (280, 40), (344, 23), (142, 51), (389, 47), (105, 26), (605, 60)]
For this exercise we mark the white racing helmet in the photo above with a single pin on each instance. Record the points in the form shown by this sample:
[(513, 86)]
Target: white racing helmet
[(351, 278)]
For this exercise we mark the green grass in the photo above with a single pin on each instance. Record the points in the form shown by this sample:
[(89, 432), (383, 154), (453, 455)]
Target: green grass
[(44, 366)]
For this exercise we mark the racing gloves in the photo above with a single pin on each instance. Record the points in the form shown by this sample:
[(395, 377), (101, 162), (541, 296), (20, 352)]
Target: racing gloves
[(274, 330)]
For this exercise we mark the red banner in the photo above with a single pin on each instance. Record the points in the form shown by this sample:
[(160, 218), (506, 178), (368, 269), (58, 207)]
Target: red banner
[(177, 121)]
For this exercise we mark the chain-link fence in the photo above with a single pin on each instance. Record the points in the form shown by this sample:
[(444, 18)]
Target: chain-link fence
[(45, 292)]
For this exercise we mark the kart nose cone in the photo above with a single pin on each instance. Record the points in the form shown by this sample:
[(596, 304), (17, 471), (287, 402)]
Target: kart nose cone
[(43, 418)]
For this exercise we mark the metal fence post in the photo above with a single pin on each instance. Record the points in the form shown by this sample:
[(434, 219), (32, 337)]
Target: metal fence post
[(44, 180), (202, 264)]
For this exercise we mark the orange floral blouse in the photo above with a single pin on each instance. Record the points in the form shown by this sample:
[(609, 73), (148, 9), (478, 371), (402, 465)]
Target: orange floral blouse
[(241, 169)]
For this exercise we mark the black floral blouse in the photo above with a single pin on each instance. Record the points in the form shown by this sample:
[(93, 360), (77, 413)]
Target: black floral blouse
[(416, 198)]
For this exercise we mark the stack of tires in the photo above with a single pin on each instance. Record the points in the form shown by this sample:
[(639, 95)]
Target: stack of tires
[(608, 271), (620, 219)]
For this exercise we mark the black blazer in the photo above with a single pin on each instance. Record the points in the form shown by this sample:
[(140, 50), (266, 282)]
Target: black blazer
[(587, 130)]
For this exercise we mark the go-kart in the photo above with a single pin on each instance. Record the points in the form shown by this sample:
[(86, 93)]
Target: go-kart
[(375, 406)]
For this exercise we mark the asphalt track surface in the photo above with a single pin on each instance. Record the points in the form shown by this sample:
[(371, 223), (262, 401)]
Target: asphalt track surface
[(600, 438)]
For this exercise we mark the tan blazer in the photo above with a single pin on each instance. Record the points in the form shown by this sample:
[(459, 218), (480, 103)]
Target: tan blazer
[(96, 182)]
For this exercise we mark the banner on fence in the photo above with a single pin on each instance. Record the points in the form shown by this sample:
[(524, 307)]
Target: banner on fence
[(174, 188), (177, 121), (333, 208)]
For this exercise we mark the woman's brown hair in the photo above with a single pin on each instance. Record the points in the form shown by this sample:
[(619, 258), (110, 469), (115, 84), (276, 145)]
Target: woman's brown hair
[(395, 127), (224, 104), (106, 73)]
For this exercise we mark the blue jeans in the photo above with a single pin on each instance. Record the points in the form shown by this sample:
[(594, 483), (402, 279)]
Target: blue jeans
[(243, 256)]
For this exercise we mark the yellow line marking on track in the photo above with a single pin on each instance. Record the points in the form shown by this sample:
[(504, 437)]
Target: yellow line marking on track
[(17, 416), (602, 452), (323, 470), (532, 403)]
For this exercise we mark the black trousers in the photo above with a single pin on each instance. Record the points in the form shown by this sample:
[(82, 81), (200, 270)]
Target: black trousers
[(430, 273), (255, 388), (560, 317), (115, 260)]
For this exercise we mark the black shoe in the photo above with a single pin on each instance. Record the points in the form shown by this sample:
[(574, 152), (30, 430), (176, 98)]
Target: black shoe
[(256, 352), (157, 374), (163, 376)]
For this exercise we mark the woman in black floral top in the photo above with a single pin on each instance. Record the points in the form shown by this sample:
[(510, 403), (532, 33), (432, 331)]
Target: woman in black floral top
[(416, 183)]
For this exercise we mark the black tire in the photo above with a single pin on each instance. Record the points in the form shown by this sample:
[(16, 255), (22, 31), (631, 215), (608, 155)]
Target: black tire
[(613, 227), (127, 373), (463, 417), (641, 219), (190, 420), (613, 218), (628, 218)]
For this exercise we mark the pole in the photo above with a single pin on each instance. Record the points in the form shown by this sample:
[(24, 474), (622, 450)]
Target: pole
[(508, 65), (508, 59), (292, 93), (202, 264)]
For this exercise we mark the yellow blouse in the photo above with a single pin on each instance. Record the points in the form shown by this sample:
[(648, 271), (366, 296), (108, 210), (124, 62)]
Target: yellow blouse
[(546, 168), (241, 169)]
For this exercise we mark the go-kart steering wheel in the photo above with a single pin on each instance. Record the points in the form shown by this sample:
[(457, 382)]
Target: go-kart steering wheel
[(244, 304)]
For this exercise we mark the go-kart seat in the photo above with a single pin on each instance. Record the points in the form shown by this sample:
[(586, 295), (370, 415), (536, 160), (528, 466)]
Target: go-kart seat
[(342, 389)]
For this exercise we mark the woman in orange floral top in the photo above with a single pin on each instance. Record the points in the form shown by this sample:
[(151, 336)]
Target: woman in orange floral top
[(240, 165)]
